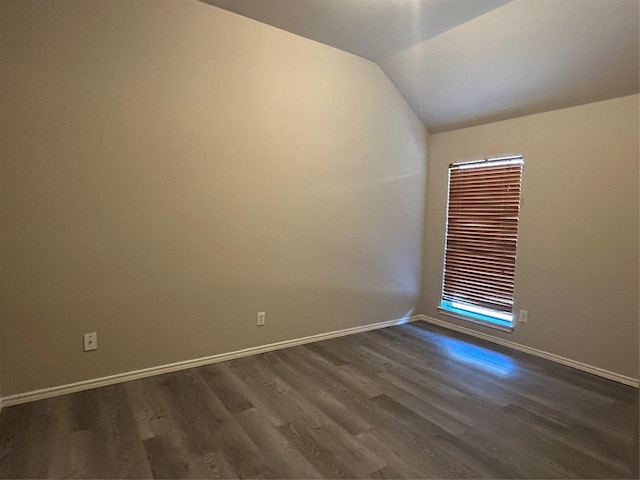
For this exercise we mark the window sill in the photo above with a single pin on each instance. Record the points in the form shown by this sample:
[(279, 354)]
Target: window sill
[(471, 319)]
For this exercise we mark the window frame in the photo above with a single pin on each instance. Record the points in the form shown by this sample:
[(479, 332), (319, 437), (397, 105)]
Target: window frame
[(466, 309)]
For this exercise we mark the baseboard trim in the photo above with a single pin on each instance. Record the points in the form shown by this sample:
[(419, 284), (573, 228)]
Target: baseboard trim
[(616, 377), (197, 362)]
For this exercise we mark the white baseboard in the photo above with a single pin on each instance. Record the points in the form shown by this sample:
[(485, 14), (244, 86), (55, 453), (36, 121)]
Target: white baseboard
[(173, 367), (197, 362), (616, 377)]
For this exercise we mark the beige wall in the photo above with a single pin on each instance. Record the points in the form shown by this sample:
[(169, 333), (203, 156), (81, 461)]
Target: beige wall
[(170, 169), (577, 264)]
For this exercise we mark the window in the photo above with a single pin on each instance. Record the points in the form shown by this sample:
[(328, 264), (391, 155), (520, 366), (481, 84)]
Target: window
[(481, 238)]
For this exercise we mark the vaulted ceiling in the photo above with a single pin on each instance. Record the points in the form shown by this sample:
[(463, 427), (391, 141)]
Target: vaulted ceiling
[(465, 62)]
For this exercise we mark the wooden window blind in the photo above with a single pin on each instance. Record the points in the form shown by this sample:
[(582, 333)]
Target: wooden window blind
[(482, 236)]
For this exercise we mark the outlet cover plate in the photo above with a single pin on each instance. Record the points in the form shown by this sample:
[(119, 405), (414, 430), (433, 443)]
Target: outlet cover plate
[(523, 317), (90, 341)]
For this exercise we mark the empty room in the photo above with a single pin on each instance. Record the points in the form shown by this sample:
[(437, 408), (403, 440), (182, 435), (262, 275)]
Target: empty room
[(319, 238)]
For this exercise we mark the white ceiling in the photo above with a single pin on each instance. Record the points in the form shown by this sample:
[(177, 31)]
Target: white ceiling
[(372, 29), (466, 62)]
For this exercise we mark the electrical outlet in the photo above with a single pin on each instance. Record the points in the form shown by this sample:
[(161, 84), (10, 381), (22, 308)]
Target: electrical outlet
[(261, 319), (90, 341), (523, 317)]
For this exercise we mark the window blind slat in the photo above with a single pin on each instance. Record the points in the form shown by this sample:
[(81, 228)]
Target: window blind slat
[(497, 271)]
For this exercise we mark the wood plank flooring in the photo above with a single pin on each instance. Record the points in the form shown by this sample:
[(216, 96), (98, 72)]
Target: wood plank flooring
[(413, 401)]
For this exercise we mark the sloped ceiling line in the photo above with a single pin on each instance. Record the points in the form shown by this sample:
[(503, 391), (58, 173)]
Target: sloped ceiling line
[(465, 62)]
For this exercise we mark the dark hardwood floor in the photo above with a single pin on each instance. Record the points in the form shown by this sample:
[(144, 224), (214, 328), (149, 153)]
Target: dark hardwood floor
[(413, 401)]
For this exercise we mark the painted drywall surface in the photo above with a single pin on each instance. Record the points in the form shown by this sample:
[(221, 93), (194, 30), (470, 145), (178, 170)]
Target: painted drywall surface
[(169, 169), (577, 263)]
